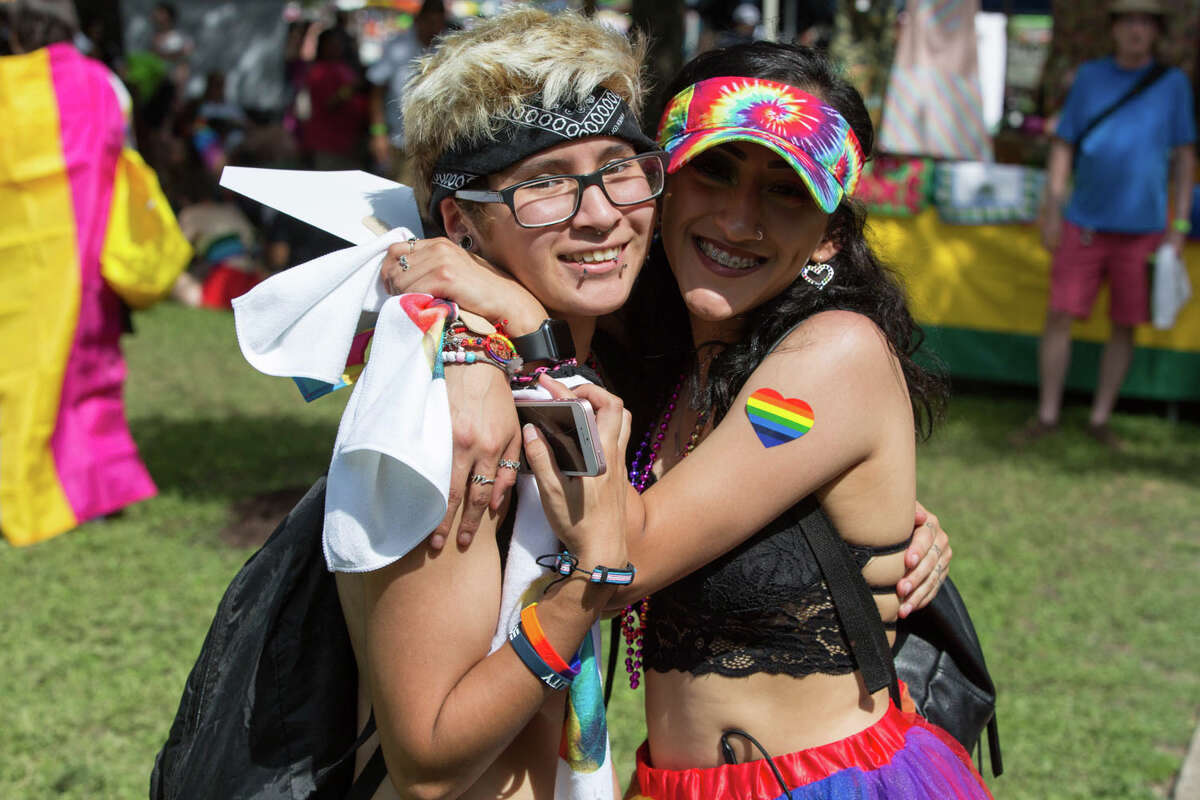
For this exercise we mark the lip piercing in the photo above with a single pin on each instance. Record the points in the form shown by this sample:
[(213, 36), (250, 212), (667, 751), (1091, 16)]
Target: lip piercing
[(585, 272)]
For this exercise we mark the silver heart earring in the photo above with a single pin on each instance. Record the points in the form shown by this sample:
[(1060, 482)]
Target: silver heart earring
[(817, 274)]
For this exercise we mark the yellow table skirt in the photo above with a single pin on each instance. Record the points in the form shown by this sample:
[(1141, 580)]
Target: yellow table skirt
[(981, 293)]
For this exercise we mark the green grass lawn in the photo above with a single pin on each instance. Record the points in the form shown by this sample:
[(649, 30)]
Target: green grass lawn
[(1080, 567)]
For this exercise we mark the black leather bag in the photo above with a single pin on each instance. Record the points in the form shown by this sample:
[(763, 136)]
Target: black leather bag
[(938, 656), (937, 652)]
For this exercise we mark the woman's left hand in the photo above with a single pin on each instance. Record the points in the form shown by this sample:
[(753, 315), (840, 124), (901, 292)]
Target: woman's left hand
[(928, 561), (587, 514)]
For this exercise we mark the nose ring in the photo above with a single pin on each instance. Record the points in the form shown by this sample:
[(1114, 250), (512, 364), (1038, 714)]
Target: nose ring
[(758, 232)]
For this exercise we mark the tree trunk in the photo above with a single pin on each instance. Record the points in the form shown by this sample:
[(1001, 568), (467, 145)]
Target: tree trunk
[(661, 21)]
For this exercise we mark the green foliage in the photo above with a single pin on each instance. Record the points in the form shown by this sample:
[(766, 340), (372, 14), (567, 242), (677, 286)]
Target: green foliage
[(1079, 566)]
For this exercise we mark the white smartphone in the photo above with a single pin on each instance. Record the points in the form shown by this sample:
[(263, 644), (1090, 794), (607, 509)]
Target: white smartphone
[(570, 428)]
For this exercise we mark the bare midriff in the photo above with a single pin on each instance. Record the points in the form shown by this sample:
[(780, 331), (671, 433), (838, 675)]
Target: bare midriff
[(687, 714)]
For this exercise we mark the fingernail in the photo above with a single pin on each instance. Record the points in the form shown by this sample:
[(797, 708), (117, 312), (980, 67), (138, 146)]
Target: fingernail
[(905, 587), (905, 610), (437, 541), (529, 432)]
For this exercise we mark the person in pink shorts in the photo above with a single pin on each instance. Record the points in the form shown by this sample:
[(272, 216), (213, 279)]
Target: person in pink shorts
[(1126, 126), (1086, 258)]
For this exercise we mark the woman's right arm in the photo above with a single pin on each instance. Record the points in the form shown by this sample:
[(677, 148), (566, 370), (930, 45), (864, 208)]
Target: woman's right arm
[(445, 708), (485, 421)]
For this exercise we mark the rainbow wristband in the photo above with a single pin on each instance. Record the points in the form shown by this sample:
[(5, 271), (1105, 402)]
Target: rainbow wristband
[(532, 629), (530, 658)]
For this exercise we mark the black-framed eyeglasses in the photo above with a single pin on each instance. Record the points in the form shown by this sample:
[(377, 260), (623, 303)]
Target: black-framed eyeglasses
[(548, 201)]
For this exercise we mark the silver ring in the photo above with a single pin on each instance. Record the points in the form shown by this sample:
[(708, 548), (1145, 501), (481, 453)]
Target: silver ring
[(480, 480), (412, 246), (404, 265), (506, 463)]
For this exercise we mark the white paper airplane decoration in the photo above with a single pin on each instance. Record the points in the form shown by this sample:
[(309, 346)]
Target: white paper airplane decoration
[(336, 202)]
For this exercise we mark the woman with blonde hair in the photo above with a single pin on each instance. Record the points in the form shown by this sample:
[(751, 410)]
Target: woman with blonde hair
[(467, 703)]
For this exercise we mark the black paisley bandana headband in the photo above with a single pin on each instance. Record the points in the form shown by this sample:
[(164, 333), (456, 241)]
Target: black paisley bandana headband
[(531, 130)]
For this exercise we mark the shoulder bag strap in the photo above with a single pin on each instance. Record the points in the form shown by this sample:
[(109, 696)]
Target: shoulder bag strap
[(370, 779), (614, 641), (374, 771), (854, 605), (1156, 72)]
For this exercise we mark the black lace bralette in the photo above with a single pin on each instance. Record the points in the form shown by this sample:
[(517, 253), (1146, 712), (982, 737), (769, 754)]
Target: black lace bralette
[(761, 607)]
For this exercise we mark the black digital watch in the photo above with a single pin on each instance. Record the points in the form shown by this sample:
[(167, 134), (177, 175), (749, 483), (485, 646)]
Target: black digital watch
[(550, 342)]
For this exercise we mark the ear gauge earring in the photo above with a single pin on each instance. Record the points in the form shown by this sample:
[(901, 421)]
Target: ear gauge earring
[(817, 274), (466, 242)]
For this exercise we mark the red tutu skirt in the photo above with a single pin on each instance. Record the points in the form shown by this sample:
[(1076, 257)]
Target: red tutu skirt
[(900, 757)]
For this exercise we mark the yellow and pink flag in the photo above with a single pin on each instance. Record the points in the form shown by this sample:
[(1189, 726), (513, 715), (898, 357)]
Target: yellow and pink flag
[(66, 454)]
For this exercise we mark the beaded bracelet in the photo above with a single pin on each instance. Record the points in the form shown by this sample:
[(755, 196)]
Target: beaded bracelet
[(463, 347), (565, 563), (466, 357), (532, 628), (530, 658)]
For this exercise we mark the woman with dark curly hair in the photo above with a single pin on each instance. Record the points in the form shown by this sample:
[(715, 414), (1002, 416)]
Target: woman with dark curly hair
[(796, 347)]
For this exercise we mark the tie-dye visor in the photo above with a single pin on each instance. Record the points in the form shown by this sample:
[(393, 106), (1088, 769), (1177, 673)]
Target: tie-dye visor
[(806, 132)]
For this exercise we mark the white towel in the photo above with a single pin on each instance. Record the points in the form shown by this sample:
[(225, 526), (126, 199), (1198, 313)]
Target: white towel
[(300, 322), (390, 474)]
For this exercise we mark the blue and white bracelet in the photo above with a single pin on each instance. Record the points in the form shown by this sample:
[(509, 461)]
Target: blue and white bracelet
[(565, 563)]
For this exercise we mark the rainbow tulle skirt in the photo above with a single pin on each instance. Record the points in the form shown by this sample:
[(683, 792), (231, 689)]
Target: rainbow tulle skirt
[(900, 757)]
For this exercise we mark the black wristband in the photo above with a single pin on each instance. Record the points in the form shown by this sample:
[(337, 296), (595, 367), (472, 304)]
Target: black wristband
[(529, 656), (550, 342)]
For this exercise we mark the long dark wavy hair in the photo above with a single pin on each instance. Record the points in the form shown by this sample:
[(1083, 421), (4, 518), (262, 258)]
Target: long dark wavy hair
[(658, 341)]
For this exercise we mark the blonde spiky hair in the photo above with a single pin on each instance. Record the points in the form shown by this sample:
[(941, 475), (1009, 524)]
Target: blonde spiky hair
[(477, 78)]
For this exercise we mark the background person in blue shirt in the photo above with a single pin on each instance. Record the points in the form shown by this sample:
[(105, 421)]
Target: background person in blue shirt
[(1116, 214)]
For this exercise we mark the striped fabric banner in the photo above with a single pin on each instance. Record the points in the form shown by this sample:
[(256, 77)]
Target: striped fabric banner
[(934, 105)]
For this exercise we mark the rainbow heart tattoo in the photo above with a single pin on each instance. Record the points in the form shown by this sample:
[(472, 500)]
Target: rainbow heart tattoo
[(778, 419)]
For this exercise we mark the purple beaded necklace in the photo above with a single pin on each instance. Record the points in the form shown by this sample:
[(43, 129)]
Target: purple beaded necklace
[(633, 619)]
